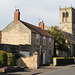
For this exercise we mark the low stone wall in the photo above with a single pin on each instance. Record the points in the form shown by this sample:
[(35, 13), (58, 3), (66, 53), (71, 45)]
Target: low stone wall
[(30, 61), (3, 70), (63, 61)]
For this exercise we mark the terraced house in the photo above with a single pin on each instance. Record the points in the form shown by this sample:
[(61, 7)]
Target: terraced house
[(29, 39)]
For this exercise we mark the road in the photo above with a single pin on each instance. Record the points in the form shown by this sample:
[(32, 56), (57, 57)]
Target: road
[(47, 70), (70, 71)]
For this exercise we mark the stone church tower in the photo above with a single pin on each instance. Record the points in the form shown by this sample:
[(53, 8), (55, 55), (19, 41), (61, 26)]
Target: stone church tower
[(67, 25)]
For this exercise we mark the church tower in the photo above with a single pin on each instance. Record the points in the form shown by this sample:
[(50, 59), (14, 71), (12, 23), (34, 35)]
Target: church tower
[(67, 25)]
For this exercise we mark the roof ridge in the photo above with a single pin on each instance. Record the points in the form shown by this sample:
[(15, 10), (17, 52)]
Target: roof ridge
[(37, 29)]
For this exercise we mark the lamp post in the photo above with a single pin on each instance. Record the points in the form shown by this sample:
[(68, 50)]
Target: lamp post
[(40, 56)]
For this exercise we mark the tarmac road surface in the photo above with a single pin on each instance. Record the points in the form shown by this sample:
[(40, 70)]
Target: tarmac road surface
[(69, 71)]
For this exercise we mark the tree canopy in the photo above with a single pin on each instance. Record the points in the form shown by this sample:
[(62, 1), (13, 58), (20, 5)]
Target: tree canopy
[(59, 38)]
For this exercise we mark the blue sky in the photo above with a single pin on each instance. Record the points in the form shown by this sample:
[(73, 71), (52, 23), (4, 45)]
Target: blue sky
[(33, 11)]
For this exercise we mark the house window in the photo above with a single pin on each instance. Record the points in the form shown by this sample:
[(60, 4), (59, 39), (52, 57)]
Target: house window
[(49, 51), (24, 53), (44, 40), (49, 42), (37, 39)]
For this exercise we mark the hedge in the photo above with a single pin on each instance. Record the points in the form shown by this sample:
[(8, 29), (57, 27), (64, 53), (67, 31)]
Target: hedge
[(11, 59), (64, 61), (3, 58)]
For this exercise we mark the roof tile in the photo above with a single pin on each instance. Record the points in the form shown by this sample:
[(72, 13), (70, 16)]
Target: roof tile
[(37, 29)]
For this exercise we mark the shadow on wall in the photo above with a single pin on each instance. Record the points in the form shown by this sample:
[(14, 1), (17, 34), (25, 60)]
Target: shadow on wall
[(71, 44), (21, 63), (29, 61), (12, 48)]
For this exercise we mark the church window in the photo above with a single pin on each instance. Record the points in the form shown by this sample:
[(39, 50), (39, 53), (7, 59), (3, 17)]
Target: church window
[(67, 14), (63, 14), (63, 17)]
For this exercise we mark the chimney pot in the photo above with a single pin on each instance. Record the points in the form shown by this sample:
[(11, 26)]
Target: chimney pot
[(41, 25)]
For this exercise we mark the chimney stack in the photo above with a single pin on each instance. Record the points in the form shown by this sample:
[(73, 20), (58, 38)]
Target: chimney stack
[(16, 15), (41, 25)]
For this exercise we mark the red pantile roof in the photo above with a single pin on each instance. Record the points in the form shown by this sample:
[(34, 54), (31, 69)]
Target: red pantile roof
[(37, 29)]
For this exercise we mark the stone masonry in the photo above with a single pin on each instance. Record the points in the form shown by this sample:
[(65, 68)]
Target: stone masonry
[(67, 25), (23, 35)]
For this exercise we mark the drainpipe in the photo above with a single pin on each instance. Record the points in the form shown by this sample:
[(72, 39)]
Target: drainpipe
[(40, 49), (40, 56)]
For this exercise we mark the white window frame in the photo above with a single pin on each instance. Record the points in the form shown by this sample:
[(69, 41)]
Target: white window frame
[(50, 42), (37, 39), (44, 40)]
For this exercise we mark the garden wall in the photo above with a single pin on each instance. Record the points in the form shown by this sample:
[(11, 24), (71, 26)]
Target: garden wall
[(29, 61), (57, 61)]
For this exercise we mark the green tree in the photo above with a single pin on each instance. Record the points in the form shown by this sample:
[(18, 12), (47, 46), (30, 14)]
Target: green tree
[(11, 59), (3, 58), (59, 38)]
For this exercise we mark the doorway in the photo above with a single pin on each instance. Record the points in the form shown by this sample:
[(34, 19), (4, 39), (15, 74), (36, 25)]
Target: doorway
[(43, 58)]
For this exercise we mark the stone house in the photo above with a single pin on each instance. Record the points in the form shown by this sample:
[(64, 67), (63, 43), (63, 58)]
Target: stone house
[(29, 39)]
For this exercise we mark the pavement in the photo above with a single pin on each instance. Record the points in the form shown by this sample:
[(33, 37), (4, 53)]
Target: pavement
[(41, 70)]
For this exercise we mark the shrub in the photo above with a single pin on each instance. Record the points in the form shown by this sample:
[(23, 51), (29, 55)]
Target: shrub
[(52, 64), (3, 58), (10, 59)]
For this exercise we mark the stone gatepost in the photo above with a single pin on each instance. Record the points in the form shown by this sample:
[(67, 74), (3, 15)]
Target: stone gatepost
[(74, 60), (35, 60), (54, 61)]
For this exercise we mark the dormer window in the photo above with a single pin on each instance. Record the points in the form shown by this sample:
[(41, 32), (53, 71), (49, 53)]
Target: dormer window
[(37, 39), (44, 40)]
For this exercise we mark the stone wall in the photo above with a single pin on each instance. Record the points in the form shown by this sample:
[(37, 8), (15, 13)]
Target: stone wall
[(65, 25), (30, 61), (16, 33), (57, 61), (46, 28), (68, 26), (46, 48)]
